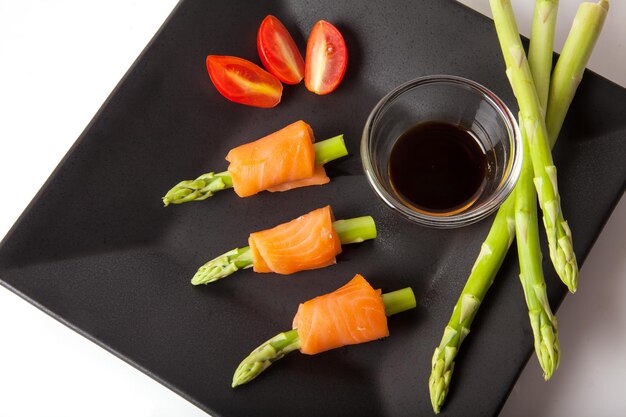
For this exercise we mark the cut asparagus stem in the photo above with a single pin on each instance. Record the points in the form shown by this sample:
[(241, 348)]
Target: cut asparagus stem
[(354, 230), (329, 150), (281, 344), (208, 184), (199, 189), (399, 301), (518, 71), (502, 230)]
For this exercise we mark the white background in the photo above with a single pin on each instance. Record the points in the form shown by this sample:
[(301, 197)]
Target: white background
[(58, 62)]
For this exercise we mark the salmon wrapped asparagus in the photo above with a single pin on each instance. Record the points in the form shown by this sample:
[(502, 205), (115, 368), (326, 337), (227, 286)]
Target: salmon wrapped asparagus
[(355, 313), (281, 161), (310, 241), (307, 242)]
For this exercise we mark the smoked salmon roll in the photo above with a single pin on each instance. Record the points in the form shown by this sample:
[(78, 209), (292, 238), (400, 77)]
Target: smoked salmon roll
[(280, 161), (355, 313), (283, 160), (310, 241)]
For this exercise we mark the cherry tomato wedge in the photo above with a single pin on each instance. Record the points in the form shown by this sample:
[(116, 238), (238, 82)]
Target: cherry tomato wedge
[(278, 51), (326, 58), (243, 82)]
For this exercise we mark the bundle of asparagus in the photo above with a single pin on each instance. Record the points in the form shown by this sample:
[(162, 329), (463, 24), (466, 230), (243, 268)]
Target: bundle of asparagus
[(543, 99)]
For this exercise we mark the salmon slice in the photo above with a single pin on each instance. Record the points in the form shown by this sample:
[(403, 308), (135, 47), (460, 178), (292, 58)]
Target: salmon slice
[(355, 313), (282, 157), (319, 178), (308, 242)]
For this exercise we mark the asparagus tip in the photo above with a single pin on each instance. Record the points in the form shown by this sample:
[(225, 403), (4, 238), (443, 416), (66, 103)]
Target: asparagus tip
[(223, 266), (199, 189), (263, 356)]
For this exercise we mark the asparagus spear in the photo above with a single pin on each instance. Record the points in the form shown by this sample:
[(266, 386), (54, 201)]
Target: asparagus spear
[(542, 321), (571, 65), (541, 46), (489, 259), (590, 18), (262, 357), (208, 184), (281, 344), (199, 189), (520, 77), (353, 230)]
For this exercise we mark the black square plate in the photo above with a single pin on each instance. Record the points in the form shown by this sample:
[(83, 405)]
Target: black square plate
[(97, 251)]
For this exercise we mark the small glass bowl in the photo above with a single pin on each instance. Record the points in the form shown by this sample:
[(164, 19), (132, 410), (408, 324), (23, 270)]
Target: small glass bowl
[(455, 100)]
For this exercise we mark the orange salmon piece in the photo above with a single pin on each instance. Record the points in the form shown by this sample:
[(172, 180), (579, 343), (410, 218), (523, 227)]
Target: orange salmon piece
[(319, 178), (308, 242), (355, 313), (277, 159)]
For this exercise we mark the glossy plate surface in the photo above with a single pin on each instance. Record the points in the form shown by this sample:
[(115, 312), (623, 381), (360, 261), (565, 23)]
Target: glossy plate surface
[(97, 251)]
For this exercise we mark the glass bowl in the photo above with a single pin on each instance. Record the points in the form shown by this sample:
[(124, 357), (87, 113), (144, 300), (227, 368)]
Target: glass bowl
[(454, 100)]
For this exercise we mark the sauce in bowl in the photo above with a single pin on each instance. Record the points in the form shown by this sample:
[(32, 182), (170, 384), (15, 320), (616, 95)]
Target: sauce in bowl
[(438, 168)]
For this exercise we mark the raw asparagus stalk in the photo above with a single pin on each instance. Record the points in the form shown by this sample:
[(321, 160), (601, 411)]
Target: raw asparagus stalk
[(567, 76), (502, 230), (541, 47), (354, 230), (571, 65), (518, 71), (281, 344), (542, 320), (208, 184), (489, 259)]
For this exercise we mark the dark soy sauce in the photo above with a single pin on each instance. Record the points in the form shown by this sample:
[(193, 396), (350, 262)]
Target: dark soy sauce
[(438, 167)]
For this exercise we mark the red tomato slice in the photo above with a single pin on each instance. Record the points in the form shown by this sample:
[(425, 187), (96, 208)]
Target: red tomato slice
[(326, 58), (243, 82), (278, 51)]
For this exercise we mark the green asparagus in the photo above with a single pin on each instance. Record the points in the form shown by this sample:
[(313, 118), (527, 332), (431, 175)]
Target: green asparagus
[(489, 259), (541, 46), (262, 357), (533, 121), (208, 184), (570, 66), (199, 189), (278, 346), (329, 150), (354, 230), (542, 320)]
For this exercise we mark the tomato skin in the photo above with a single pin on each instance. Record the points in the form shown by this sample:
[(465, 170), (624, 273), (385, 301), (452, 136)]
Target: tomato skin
[(244, 82), (279, 52), (326, 58)]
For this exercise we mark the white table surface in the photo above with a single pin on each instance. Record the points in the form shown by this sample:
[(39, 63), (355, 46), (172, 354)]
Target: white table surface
[(60, 59)]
